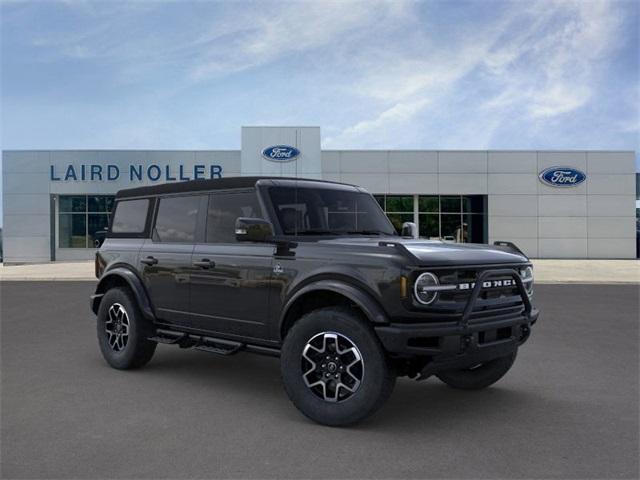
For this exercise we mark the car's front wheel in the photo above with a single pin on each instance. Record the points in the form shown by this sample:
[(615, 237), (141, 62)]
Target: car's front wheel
[(123, 331), (333, 367), (479, 376)]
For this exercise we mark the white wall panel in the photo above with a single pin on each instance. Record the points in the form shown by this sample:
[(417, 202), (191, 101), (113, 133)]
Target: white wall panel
[(612, 248), (513, 227), (513, 162), (26, 204), (513, 205), (513, 183), (462, 183), (562, 247), (413, 162), (330, 162), (26, 225), (356, 161), (612, 227), (574, 159), (26, 249), (599, 184), (562, 205), (611, 162), (611, 205), (413, 183), (562, 227), (462, 162)]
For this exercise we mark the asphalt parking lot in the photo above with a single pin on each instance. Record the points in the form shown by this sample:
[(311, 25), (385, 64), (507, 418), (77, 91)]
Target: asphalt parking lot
[(568, 408)]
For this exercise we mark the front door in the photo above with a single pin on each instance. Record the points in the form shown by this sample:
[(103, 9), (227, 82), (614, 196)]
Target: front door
[(165, 260), (230, 281)]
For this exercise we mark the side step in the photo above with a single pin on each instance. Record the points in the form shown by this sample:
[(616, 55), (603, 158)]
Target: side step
[(206, 344), (169, 337), (220, 346)]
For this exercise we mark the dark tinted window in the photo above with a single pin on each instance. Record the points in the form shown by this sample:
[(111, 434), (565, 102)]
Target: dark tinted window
[(176, 219), (130, 216), (224, 209), (319, 211)]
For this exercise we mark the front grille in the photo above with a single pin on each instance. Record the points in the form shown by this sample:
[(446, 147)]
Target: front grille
[(492, 302)]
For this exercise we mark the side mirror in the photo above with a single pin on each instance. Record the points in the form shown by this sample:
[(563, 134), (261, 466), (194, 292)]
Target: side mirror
[(409, 229), (253, 230)]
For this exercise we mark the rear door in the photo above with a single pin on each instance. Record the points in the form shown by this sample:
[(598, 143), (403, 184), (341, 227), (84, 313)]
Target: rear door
[(165, 259), (230, 280)]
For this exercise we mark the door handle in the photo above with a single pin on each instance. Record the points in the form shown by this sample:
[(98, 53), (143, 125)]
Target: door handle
[(204, 263), (149, 260)]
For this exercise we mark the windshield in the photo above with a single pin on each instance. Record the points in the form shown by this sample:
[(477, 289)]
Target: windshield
[(324, 211)]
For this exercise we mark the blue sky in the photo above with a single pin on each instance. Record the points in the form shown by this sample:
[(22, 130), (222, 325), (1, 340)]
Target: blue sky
[(402, 74)]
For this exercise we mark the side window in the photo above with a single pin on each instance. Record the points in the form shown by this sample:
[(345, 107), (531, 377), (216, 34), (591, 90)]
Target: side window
[(176, 219), (224, 209), (130, 216)]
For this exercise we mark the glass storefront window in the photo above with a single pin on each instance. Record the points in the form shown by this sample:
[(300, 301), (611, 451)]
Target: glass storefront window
[(73, 203), (428, 204), (73, 230), (451, 204), (82, 219), (453, 218), (474, 204), (399, 204), (429, 226)]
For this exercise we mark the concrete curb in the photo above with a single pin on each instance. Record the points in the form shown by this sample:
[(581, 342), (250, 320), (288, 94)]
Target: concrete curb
[(549, 272)]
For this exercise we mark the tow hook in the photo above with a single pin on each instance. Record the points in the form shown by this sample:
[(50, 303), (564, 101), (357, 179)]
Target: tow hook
[(466, 342)]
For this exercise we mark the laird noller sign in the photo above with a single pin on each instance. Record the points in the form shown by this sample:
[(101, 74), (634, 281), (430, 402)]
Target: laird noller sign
[(133, 172)]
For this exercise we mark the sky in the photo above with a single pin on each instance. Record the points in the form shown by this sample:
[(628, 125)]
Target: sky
[(373, 74)]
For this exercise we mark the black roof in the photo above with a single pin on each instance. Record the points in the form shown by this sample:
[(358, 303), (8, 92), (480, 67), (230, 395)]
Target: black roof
[(205, 185)]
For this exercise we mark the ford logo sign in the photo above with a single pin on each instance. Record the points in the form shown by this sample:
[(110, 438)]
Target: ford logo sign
[(280, 153), (562, 177)]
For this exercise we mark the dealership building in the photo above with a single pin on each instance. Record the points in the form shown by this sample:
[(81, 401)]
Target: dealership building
[(551, 204)]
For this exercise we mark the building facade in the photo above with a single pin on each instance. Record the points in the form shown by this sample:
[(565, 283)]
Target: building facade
[(552, 204)]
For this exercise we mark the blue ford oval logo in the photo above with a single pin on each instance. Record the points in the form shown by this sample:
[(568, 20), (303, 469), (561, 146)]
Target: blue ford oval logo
[(562, 177), (280, 153)]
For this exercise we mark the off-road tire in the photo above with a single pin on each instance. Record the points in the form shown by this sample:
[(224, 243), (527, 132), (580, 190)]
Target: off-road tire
[(479, 377), (378, 378), (137, 351)]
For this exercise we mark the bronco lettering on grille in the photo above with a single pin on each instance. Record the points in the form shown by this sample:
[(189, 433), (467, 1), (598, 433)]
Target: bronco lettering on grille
[(488, 284)]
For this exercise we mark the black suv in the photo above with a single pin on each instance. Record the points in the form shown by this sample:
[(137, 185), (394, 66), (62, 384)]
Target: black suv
[(315, 273)]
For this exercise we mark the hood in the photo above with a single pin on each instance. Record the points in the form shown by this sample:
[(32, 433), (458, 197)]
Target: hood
[(437, 253)]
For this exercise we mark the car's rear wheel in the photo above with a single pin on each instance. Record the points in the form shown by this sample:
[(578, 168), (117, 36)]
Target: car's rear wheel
[(333, 367), (123, 331), (479, 376)]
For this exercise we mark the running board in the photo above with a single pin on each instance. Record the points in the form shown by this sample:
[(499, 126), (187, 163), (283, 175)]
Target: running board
[(168, 337), (215, 345)]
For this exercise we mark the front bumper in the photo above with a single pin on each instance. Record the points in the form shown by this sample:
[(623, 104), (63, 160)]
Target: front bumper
[(465, 341)]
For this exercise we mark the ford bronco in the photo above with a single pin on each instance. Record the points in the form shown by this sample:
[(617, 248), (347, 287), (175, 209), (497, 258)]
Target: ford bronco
[(315, 273)]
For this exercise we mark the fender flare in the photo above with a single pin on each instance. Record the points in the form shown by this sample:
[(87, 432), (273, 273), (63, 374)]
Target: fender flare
[(134, 283), (370, 307)]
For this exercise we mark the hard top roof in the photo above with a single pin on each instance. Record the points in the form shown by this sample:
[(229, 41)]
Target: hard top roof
[(214, 184)]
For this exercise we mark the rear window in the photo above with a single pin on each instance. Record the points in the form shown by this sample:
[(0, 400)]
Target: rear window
[(177, 219), (130, 216)]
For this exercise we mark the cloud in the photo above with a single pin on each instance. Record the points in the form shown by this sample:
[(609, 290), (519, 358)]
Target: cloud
[(539, 60)]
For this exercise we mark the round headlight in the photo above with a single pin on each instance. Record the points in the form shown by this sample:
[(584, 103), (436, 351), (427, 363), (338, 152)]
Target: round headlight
[(425, 288), (527, 278)]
